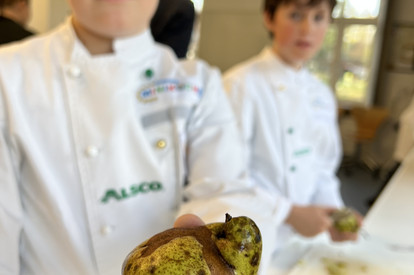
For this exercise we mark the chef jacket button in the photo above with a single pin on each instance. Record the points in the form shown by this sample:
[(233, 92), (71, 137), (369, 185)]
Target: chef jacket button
[(292, 168), (74, 71), (106, 230), (92, 151), (161, 144), (290, 130), (149, 73)]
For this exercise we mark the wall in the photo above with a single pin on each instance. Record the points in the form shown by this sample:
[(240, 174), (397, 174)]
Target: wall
[(46, 14), (61, 11), (39, 15), (228, 24), (403, 10), (395, 87)]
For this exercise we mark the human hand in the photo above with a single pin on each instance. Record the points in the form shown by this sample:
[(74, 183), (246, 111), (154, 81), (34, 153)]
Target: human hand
[(341, 236), (309, 221), (188, 221)]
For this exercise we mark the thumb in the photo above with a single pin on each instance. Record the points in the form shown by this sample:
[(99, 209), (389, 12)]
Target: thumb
[(188, 221)]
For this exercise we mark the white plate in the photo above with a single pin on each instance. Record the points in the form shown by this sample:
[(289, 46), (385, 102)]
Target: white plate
[(369, 256), (366, 257)]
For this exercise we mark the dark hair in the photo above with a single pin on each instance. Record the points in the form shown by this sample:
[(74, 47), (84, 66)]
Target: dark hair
[(7, 3), (270, 6)]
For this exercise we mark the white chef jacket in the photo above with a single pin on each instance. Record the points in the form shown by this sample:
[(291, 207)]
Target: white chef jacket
[(289, 126), (95, 150)]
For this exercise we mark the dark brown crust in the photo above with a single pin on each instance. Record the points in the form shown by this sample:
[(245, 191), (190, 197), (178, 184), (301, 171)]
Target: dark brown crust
[(215, 261)]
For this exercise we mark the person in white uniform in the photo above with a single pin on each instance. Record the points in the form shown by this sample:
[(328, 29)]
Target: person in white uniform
[(288, 119), (106, 138)]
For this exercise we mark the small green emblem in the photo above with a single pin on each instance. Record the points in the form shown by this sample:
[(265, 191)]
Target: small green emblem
[(149, 73)]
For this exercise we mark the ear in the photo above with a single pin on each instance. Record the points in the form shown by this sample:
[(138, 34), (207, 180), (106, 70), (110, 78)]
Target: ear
[(268, 21)]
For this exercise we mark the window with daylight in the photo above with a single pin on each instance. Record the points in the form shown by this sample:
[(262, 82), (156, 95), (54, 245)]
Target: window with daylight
[(349, 58)]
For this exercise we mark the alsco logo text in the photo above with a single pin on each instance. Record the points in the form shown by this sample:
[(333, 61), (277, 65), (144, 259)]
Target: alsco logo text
[(132, 191)]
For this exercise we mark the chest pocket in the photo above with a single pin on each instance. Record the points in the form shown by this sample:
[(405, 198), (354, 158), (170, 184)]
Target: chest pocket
[(163, 111), (296, 129), (302, 145), (165, 129)]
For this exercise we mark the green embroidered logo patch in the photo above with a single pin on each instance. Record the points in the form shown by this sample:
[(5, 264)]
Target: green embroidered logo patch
[(132, 191), (302, 152)]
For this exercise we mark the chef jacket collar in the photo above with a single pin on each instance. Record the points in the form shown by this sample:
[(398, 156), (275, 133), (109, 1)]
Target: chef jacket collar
[(276, 64), (129, 49)]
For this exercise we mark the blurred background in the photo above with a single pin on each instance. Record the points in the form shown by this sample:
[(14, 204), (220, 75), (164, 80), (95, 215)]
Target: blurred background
[(367, 60)]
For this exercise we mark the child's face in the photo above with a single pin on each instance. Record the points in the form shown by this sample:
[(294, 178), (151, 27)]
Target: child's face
[(113, 18), (298, 30)]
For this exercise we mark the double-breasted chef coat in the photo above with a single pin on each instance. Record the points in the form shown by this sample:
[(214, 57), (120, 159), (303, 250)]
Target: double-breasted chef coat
[(95, 150), (289, 126)]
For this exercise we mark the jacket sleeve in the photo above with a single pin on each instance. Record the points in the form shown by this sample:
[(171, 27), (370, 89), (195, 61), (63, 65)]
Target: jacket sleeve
[(217, 173), (10, 205), (329, 152)]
